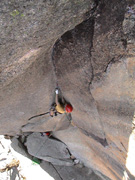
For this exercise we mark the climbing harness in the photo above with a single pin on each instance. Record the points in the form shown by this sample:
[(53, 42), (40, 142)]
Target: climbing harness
[(53, 110)]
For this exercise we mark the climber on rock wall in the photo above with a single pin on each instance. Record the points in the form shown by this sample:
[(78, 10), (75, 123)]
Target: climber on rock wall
[(60, 106)]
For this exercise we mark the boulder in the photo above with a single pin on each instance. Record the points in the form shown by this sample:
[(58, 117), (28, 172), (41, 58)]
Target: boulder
[(48, 149)]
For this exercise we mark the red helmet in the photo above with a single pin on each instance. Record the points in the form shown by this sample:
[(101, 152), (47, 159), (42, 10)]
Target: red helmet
[(69, 108)]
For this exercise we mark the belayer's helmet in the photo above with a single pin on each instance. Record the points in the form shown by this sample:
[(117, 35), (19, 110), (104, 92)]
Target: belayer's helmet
[(69, 108)]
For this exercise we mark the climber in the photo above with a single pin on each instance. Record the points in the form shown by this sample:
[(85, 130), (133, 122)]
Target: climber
[(60, 106)]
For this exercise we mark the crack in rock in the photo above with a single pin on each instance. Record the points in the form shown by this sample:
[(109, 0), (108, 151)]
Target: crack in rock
[(57, 171), (101, 140), (53, 63), (38, 115), (113, 61)]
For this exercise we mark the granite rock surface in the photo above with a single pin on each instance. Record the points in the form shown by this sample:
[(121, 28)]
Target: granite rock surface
[(88, 49)]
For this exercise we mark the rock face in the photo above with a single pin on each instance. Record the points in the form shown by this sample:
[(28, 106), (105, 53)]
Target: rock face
[(28, 32), (88, 49), (70, 172)]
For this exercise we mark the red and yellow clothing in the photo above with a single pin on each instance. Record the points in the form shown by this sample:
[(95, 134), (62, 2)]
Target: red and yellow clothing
[(60, 108)]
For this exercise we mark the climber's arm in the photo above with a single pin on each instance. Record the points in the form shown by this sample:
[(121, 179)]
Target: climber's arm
[(56, 97)]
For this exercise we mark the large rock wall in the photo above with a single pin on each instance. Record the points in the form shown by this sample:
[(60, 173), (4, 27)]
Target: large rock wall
[(28, 32), (92, 62)]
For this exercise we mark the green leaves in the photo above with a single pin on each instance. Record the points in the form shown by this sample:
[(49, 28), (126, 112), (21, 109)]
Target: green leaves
[(16, 13)]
